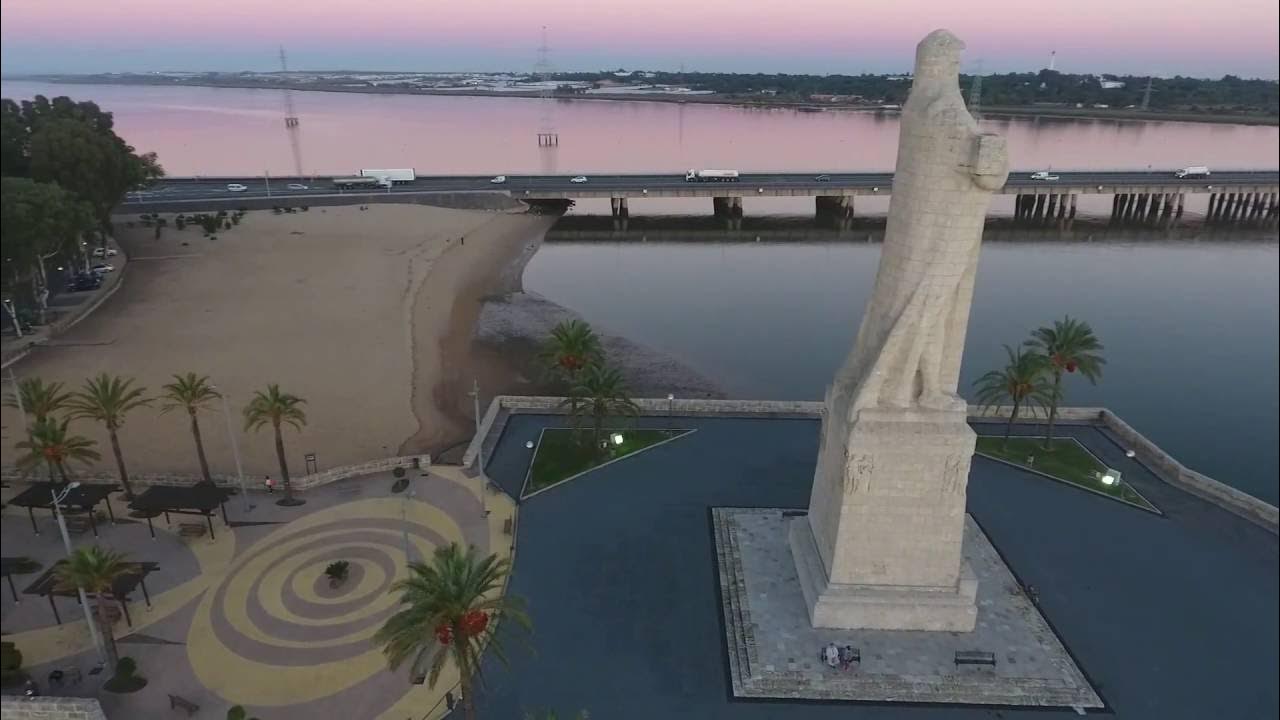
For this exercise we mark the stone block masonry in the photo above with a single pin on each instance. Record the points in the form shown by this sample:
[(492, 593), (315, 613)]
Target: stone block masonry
[(50, 708)]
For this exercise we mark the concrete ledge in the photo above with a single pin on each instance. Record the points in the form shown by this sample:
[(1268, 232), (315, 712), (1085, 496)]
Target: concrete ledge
[(1164, 465), (304, 482), (16, 707)]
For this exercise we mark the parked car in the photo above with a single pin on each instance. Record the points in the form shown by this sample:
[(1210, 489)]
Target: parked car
[(236, 187), (499, 180), (104, 252), (297, 186), (103, 268), (85, 281), (1043, 175), (579, 179), (823, 178)]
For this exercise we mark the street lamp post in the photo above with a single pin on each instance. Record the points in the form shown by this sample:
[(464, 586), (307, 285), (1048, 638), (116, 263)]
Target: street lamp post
[(66, 542), (235, 447), (475, 399), (13, 315)]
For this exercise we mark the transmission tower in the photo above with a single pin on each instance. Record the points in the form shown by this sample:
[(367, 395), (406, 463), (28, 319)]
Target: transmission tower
[(1146, 95), (542, 73), (975, 92), (291, 123)]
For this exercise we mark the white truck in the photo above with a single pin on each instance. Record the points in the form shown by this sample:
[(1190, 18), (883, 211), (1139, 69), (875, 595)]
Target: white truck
[(711, 176), (361, 181), (1193, 171), (399, 176)]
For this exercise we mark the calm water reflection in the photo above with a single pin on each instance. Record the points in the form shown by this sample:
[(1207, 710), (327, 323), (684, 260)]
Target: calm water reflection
[(1190, 326), (211, 131)]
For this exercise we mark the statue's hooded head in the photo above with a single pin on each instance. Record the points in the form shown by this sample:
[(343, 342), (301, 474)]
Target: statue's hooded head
[(938, 57)]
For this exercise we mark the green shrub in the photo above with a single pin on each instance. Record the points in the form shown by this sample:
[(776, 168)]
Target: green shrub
[(338, 570), (126, 679), (10, 664)]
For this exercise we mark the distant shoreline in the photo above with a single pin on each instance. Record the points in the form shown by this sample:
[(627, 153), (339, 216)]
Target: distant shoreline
[(1060, 113)]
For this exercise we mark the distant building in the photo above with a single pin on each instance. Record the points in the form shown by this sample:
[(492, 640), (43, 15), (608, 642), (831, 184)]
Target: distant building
[(1111, 84)]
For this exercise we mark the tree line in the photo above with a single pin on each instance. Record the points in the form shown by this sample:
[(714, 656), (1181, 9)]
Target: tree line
[(50, 408), (63, 169), (1228, 94)]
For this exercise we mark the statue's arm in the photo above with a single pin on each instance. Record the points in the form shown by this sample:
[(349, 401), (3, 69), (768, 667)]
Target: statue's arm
[(990, 163)]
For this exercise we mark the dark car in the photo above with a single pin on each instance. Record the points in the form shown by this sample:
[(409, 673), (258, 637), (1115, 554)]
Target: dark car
[(86, 281), (823, 178)]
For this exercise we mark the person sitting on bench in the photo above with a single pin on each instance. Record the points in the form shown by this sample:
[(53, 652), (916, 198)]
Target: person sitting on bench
[(847, 657)]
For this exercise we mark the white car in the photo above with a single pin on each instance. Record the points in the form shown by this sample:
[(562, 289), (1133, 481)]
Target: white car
[(297, 186), (1191, 172), (236, 187), (499, 180), (1043, 175), (579, 179), (101, 268), (104, 252)]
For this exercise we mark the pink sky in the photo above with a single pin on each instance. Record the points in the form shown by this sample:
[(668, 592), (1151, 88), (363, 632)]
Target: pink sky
[(1140, 36)]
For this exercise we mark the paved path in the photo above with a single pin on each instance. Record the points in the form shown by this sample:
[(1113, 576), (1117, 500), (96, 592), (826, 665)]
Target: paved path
[(259, 626)]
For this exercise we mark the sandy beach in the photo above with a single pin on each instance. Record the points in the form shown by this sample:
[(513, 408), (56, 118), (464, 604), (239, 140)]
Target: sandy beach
[(367, 314)]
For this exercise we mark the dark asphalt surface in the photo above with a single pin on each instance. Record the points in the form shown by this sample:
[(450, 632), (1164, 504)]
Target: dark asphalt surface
[(191, 189), (1172, 618)]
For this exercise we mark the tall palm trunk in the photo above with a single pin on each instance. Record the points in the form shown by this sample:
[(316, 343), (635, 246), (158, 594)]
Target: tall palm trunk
[(50, 464), (124, 474), (195, 433), (464, 683), (62, 472), (108, 638), (1008, 427), (1053, 408), (284, 464)]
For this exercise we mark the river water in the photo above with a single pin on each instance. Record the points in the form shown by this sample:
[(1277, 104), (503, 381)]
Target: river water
[(1190, 317)]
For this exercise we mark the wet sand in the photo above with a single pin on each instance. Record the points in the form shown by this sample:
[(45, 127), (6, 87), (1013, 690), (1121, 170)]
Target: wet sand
[(367, 314)]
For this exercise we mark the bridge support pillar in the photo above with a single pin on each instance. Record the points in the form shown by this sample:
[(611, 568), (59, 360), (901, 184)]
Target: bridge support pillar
[(1051, 206), (1153, 207), (1117, 201), (1072, 213), (619, 207), (1181, 199), (1272, 208), (1231, 207), (1215, 201), (1039, 214), (1062, 206)]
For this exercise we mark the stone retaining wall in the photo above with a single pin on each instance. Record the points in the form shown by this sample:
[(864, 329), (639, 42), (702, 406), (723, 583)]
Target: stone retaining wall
[(1160, 462), (50, 708), (305, 482)]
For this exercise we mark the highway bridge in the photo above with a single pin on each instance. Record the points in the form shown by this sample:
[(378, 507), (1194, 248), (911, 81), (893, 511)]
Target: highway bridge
[(1234, 193)]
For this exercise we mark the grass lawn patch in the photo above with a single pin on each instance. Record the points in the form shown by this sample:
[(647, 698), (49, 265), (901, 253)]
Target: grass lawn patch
[(1068, 461), (563, 453)]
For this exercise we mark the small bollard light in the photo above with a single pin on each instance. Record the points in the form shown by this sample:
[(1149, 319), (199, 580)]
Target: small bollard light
[(1129, 453), (529, 444), (1108, 479), (616, 438)]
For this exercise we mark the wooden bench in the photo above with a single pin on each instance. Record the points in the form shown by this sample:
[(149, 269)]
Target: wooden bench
[(975, 657), (507, 526), (177, 702), (191, 530)]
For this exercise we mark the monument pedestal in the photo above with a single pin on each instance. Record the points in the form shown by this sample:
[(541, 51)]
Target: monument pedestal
[(881, 547), (878, 607)]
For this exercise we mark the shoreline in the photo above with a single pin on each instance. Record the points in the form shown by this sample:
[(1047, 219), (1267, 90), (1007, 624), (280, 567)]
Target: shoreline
[(1057, 113)]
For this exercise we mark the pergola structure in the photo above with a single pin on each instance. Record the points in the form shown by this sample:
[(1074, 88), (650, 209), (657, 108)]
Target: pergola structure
[(47, 585), (203, 499), (10, 566), (79, 500)]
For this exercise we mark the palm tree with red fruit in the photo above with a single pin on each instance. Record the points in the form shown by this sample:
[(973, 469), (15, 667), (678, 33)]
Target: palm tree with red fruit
[(1068, 347), (452, 607), (1019, 383), (572, 347)]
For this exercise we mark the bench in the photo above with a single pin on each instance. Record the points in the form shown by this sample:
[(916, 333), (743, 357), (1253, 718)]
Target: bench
[(507, 526), (77, 524), (191, 530), (975, 657), (177, 702)]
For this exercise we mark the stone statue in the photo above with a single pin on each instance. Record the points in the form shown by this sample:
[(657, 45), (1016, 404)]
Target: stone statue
[(908, 349), (881, 545)]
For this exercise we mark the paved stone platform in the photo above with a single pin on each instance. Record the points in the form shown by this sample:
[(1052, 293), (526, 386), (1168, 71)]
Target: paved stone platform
[(773, 650)]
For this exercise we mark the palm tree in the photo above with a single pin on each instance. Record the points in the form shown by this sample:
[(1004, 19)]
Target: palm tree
[(51, 444), (108, 399), (36, 398), (1069, 345), (192, 393), (572, 347), (452, 607), (600, 392), (96, 571), (276, 408), (1019, 382)]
